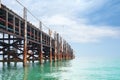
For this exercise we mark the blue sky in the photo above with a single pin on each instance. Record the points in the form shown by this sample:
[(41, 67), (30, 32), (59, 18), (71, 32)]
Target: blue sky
[(92, 27)]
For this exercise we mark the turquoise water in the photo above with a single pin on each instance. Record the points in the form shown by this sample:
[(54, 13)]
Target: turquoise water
[(77, 69)]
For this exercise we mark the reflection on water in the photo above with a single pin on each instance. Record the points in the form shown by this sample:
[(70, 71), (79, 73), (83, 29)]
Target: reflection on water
[(34, 71), (11, 72), (77, 69), (46, 71)]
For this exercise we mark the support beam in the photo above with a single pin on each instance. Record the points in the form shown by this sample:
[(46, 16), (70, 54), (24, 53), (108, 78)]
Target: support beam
[(66, 51), (25, 38), (19, 27), (3, 50), (41, 45), (50, 32), (6, 19), (61, 48), (8, 50), (13, 23), (55, 52), (58, 47)]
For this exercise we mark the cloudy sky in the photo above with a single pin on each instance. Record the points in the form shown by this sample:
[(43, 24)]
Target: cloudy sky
[(92, 27)]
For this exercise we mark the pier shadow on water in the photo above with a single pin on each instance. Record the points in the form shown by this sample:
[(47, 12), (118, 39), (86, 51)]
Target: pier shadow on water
[(34, 71)]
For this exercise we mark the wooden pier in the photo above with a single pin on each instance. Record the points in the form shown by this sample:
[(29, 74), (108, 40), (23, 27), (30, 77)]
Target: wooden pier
[(21, 41)]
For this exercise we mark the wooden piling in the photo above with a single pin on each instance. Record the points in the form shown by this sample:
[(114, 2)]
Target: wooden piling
[(25, 38), (55, 42), (8, 50), (50, 33), (3, 50), (41, 44)]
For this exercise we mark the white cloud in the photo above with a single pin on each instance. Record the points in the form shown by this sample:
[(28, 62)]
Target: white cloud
[(58, 20), (87, 33), (75, 31), (59, 15), (49, 8)]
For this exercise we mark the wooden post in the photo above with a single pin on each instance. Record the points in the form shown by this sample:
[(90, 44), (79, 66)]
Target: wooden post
[(19, 27), (58, 52), (60, 48), (50, 32), (14, 24), (3, 50), (25, 38), (68, 51), (8, 52), (65, 50), (6, 19), (55, 56), (41, 46)]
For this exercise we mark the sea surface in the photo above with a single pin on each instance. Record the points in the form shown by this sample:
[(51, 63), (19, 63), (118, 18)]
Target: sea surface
[(76, 69)]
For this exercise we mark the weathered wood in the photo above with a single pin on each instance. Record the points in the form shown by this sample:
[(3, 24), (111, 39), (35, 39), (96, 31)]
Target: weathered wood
[(41, 45), (50, 33), (55, 51), (23, 36)]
